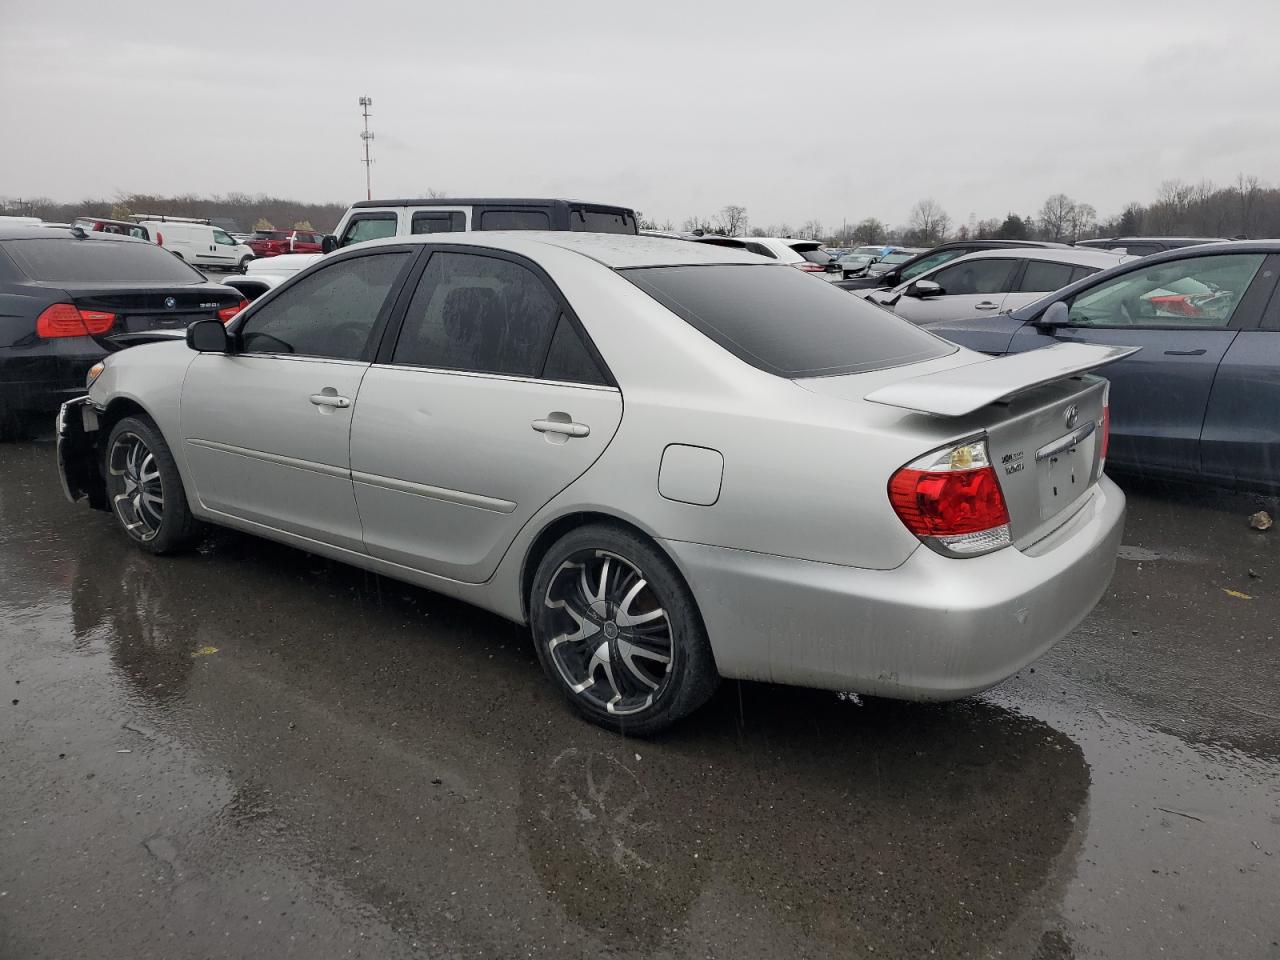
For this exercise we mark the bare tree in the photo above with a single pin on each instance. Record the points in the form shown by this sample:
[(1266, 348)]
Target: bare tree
[(694, 224), (929, 222), (1084, 221), (732, 220), (812, 230), (870, 231), (1249, 191), (1056, 216)]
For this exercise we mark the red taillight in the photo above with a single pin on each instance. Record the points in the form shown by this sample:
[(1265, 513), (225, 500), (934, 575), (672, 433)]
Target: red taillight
[(227, 314), (952, 500), (808, 267), (64, 320), (159, 239)]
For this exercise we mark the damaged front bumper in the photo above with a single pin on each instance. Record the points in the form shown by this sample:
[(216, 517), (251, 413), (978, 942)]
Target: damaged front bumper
[(79, 466)]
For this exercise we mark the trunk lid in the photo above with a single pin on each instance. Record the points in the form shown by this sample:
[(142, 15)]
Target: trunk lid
[(1041, 411), (139, 308)]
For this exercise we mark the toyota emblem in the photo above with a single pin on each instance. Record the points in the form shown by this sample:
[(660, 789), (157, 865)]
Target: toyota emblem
[(171, 302), (1071, 415)]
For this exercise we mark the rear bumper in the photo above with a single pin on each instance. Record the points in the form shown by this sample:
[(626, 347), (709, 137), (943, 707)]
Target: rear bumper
[(41, 379), (78, 462), (933, 629)]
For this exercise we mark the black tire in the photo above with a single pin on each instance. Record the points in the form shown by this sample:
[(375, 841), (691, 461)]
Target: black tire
[(243, 265), (137, 464), (630, 603)]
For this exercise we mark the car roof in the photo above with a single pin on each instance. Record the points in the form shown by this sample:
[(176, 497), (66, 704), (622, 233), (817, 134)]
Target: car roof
[(62, 233), (1087, 257), (614, 250), (1122, 240), (481, 201)]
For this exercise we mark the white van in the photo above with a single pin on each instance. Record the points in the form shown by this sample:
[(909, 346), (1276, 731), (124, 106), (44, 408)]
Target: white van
[(196, 241)]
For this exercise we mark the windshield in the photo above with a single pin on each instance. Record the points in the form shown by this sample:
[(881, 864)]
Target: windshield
[(98, 261), (782, 321)]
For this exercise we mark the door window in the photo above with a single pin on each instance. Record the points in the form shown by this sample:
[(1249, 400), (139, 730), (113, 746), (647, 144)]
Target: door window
[(928, 263), (371, 227), (976, 276), (1042, 276), (478, 313), (515, 220), (223, 239), (1200, 292), (450, 221), (331, 313)]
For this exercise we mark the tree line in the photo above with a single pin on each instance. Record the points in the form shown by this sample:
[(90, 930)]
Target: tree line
[(1247, 207)]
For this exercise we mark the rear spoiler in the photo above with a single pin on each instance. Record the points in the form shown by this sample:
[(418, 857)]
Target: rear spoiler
[(962, 390)]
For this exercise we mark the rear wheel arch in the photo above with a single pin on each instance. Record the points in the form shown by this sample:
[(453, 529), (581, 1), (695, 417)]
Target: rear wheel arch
[(551, 533)]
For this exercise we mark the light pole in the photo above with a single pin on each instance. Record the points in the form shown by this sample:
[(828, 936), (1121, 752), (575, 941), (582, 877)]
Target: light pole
[(366, 136)]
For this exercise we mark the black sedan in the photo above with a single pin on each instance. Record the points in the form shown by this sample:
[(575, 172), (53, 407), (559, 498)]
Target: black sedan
[(1201, 399), (68, 297)]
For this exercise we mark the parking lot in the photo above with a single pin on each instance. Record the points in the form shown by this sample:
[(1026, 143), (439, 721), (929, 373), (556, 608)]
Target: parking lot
[(250, 751)]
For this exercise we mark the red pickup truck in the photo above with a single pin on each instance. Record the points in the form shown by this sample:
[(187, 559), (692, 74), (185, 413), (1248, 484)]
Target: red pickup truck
[(272, 243)]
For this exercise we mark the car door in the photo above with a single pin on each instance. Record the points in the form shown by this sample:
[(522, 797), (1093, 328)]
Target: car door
[(1241, 436), (1184, 314), (490, 401), (266, 429), (970, 288), (222, 251), (1039, 277)]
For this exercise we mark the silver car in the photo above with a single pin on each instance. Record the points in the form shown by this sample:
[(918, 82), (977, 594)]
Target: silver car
[(673, 461)]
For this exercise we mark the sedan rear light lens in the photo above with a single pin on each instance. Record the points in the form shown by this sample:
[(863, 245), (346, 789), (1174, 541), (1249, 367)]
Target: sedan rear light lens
[(65, 320), (227, 314), (951, 500), (808, 267)]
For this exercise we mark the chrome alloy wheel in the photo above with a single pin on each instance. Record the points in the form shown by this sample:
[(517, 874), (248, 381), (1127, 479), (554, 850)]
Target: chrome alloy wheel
[(611, 640), (137, 490)]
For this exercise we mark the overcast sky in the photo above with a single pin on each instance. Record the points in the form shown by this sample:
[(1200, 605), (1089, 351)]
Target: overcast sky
[(827, 109)]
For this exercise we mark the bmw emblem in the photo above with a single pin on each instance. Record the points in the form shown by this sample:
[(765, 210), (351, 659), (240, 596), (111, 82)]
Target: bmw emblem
[(1071, 415), (170, 302)]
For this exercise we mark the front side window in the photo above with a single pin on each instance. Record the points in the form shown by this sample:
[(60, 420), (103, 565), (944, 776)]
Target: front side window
[(928, 263), (976, 277), (369, 228), (223, 238), (1201, 292), (478, 313), (331, 313), (778, 320)]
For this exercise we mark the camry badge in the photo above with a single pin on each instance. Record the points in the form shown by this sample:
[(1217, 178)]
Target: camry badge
[(170, 302), (1071, 415)]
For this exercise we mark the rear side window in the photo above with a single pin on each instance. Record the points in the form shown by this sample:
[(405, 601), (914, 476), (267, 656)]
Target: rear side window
[(779, 320), (478, 313), (515, 220), (1042, 276), (601, 221), (445, 221), (569, 359), (97, 261), (761, 249)]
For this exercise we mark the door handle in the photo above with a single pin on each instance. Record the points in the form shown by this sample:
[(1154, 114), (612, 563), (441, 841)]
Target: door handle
[(1184, 353), (986, 305), (566, 427), (329, 400)]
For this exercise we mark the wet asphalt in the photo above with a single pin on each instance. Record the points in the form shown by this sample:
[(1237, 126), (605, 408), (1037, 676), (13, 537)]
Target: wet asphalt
[(249, 751)]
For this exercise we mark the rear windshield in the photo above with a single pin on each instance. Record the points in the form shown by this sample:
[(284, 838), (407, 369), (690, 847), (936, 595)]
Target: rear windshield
[(98, 261), (815, 256), (784, 321), (601, 221), (271, 234)]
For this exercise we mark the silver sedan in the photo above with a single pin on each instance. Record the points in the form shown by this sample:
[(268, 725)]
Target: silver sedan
[(675, 462)]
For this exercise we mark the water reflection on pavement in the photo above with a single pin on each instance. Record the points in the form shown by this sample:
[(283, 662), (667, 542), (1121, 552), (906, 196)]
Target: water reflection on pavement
[(251, 751)]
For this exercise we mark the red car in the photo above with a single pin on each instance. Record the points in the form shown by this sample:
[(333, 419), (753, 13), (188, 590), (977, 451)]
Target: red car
[(272, 243)]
